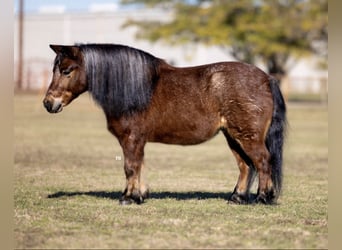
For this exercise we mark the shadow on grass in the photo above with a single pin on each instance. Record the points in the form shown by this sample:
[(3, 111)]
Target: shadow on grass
[(155, 195)]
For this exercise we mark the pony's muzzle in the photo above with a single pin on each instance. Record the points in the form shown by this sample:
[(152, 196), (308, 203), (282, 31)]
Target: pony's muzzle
[(53, 105)]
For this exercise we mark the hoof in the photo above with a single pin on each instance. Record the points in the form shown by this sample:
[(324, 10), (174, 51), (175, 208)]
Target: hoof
[(238, 199), (266, 199), (261, 199), (139, 200), (125, 201), (146, 194), (128, 201), (135, 197)]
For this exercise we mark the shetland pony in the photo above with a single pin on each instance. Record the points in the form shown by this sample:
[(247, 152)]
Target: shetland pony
[(144, 99)]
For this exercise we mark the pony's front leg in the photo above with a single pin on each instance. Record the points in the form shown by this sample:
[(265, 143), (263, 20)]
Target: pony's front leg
[(133, 149)]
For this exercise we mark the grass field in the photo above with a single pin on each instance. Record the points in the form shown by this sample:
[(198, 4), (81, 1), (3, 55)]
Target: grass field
[(68, 176)]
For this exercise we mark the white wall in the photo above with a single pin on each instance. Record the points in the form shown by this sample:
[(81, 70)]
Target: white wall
[(106, 27)]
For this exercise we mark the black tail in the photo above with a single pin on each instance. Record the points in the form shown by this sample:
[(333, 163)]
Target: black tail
[(276, 135)]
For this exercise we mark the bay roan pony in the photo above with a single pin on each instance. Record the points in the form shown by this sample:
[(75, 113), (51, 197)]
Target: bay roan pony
[(145, 100)]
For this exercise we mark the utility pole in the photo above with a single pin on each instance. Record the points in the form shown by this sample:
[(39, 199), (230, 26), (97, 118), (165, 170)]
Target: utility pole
[(20, 48)]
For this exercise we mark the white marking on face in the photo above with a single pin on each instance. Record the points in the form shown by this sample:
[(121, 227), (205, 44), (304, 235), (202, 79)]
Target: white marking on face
[(57, 104)]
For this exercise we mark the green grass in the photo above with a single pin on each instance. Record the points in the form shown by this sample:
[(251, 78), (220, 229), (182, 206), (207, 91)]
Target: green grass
[(68, 178), (308, 97)]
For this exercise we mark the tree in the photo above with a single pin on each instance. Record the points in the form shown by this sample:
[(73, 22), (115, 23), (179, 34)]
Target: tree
[(266, 30)]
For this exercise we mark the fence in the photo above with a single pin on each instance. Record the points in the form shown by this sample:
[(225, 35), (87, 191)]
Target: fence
[(38, 72)]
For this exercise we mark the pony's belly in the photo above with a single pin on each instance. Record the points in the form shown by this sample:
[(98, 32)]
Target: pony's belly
[(184, 129), (171, 139), (185, 137)]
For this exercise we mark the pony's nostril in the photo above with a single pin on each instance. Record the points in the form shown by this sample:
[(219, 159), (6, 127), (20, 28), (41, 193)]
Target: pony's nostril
[(47, 105)]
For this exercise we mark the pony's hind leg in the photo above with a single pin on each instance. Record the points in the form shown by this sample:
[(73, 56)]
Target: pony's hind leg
[(266, 191), (260, 156), (246, 176)]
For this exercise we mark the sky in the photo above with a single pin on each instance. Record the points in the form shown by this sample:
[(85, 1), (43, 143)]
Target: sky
[(69, 5)]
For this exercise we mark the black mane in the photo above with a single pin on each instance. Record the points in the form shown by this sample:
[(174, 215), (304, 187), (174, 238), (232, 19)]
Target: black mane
[(120, 79)]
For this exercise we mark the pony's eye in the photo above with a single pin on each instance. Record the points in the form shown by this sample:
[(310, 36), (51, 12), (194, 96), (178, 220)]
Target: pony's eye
[(66, 71)]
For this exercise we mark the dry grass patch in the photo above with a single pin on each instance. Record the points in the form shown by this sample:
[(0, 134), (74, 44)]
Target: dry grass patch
[(68, 178)]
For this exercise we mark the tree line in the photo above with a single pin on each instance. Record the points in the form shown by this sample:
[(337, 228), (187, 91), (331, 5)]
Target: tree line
[(270, 31)]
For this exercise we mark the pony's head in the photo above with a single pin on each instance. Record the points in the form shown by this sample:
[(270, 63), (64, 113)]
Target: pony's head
[(68, 80)]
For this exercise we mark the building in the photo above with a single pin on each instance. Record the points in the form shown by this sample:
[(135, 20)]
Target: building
[(99, 25)]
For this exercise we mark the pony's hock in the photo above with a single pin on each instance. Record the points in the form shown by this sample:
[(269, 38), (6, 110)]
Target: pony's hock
[(147, 100)]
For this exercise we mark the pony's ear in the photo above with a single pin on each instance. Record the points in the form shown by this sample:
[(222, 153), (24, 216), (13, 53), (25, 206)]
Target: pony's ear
[(56, 48), (69, 51)]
